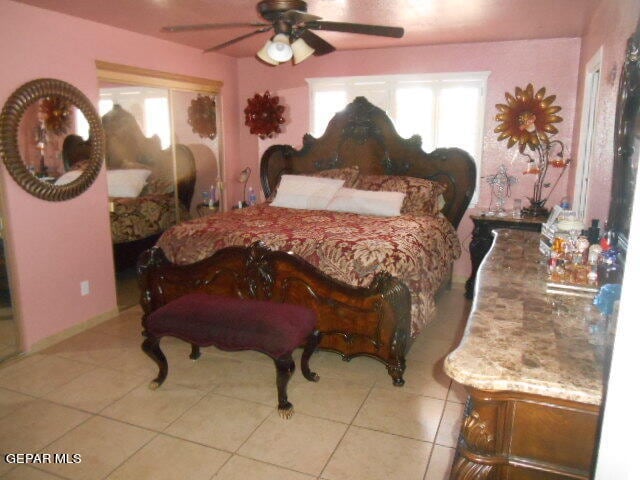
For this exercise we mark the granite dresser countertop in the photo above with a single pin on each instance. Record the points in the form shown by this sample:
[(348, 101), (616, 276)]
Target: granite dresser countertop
[(519, 338)]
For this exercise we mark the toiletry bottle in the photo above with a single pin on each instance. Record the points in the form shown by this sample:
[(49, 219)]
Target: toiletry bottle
[(252, 197), (594, 231)]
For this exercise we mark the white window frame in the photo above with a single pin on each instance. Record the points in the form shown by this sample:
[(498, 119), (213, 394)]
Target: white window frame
[(355, 85), (588, 118)]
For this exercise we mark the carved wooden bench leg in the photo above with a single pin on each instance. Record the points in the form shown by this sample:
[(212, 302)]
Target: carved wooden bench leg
[(310, 347), (396, 370), (284, 369), (195, 352), (151, 346)]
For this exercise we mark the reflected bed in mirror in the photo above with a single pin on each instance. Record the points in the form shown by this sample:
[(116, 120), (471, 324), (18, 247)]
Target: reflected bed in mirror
[(35, 123), (144, 196)]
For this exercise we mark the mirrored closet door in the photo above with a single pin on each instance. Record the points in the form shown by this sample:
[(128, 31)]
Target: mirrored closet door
[(163, 159), (9, 340)]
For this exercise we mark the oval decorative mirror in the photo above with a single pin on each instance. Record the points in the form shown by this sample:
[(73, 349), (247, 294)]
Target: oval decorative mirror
[(51, 139)]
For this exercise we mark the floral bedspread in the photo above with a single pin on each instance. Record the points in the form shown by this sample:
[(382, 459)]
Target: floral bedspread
[(345, 246), (141, 217)]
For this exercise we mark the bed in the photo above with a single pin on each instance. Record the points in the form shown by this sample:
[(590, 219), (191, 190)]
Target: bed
[(138, 219), (138, 222), (371, 280)]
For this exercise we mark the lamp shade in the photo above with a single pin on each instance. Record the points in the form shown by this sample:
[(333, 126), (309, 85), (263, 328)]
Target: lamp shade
[(264, 56), (280, 50), (244, 175), (301, 50)]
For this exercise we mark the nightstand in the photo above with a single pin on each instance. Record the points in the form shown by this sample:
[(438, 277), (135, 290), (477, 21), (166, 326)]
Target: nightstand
[(482, 238), (204, 209)]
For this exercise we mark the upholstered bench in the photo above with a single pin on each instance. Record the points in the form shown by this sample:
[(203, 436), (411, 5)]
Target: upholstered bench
[(232, 324)]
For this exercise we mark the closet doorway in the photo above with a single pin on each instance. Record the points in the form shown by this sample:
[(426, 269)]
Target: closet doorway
[(163, 158)]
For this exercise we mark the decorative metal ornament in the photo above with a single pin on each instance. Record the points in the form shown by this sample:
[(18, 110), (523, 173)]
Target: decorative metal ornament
[(56, 112), (264, 115), (202, 116), (500, 183), (527, 119)]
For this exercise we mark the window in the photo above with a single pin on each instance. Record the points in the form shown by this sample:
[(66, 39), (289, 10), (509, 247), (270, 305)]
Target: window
[(149, 106), (587, 135), (446, 110)]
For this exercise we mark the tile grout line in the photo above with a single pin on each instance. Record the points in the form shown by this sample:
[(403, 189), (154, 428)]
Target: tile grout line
[(345, 431), (153, 437), (58, 438)]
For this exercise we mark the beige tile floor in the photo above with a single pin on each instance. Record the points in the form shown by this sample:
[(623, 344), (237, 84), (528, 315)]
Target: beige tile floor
[(215, 419)]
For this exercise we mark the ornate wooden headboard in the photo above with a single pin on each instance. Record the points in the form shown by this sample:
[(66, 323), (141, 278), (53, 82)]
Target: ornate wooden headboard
[(363, 135)]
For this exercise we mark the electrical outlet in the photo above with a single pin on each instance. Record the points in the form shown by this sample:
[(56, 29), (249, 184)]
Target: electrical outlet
[(84, 287)]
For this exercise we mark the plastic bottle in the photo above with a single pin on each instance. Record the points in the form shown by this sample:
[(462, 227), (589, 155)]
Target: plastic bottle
[(253, 199)]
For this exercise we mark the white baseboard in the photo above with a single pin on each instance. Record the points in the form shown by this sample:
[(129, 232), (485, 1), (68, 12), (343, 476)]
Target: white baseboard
[(73, 330)]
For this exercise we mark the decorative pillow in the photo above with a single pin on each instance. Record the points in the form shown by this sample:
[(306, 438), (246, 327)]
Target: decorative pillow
[(302, 192), (421, 194), (126, 183), (367, 202), (348, 174), (157, 184), (68, 177)]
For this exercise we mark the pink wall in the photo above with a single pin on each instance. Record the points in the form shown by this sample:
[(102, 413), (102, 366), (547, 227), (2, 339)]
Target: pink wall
[(550, 63), (611, 25), (46, 276)]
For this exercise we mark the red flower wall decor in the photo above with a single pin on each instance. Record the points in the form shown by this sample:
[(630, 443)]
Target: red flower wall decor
[(56, 112), (202, 116), (263, 115)]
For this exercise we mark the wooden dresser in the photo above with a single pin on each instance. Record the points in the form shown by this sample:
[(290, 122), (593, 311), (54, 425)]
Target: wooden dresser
[(533, 377)]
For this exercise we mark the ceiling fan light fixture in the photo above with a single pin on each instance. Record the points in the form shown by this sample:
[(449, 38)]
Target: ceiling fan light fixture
[(279, 49), (264, 55), (301, 50)]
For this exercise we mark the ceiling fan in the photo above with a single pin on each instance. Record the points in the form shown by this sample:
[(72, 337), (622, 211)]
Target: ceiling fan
[(293, 27)]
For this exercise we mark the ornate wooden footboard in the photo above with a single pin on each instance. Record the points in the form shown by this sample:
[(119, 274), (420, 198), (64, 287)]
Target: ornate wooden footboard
[(354, 321)]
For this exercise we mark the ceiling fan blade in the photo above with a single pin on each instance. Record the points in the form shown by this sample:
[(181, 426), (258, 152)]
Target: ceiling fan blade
[(208, 26), (321, 46), (237, 39), (382, 31), (294, 17)]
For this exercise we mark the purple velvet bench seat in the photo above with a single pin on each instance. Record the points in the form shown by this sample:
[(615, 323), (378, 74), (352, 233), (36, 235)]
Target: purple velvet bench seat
[(275, 329)]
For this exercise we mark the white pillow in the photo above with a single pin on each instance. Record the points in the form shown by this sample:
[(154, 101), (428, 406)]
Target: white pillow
[(68, 177), (302, 192), (367, 202), (126, 183)]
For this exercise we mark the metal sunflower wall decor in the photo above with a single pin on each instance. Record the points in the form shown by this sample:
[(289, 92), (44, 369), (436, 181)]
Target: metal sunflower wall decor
[(56, 113), (264, 115), (527, 121), (202, 116)]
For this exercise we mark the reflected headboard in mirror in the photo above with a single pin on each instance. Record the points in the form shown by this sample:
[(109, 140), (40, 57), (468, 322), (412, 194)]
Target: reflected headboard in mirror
[(627, 142)]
